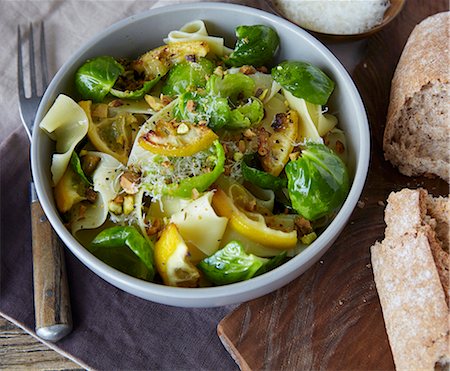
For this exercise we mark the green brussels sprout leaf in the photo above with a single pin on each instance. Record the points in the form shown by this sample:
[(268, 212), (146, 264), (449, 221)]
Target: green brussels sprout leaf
[(120, 237), (255, 46), (138, 93), (259, 177), (95, 78), (187, 76), (303, 80), (246, 115), (235, 87), (273, 263), (76, 166), (318, 182), (230, 264), (214, 110)]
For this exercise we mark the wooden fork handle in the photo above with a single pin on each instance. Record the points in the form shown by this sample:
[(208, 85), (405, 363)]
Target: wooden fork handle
[(51, 291)]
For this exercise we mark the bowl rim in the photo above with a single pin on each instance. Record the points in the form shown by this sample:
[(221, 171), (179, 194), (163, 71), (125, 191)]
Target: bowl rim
[(219, 295)]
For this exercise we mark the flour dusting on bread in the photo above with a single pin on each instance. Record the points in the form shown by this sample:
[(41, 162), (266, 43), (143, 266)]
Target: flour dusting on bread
[(411, 274), (416, 137)]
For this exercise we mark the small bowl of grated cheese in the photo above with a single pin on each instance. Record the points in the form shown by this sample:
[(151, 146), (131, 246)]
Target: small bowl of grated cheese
[(339, 19)]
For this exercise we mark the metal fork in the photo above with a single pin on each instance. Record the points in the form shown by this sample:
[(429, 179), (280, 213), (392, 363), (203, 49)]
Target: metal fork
[(28, 106), (51, 294)]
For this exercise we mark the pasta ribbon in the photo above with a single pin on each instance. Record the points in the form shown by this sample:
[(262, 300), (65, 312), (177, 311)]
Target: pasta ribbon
[(66, 123), (106, 183), (196, 30)]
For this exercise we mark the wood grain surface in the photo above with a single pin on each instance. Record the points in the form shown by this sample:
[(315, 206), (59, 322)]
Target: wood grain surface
[(330, 317), (20, 351)]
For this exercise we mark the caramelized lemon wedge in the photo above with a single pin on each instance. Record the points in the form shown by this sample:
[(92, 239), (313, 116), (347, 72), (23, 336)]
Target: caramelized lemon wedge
[(252, 225), (177, 139), (172, 259)]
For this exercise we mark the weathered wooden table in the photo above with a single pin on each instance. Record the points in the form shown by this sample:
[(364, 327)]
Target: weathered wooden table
[(346, 327)]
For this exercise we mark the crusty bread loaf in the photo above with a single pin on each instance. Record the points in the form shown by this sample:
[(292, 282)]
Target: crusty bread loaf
[(416, 137), (411, 275)]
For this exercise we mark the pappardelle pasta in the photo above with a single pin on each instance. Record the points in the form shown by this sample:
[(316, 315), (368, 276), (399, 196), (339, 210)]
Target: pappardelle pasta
[(195, 164)]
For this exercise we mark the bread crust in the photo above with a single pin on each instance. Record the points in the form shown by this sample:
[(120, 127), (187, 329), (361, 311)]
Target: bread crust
[(424, 63), (411, 275)]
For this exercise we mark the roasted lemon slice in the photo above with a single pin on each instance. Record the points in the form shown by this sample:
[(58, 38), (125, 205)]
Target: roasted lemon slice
[(172, 259), (252, 225), (113, 135), (177, 139), (281, 142), (157, 62)]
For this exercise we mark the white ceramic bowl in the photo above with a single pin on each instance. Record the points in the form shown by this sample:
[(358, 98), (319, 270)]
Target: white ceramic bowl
[(142, 32)]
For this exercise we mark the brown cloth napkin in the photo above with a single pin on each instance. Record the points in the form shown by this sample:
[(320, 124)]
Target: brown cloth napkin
[(112, 329)]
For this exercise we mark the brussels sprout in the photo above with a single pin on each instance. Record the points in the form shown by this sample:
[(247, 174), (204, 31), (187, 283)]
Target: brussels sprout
[(95, 78), (259, 177), (188, 76), (235, 87), (138, 93), (76, 166), (256, 46), (303, 80), (230, 264), (108, 241), (273, 263), (196, 107), (246, 115), (318, 181)]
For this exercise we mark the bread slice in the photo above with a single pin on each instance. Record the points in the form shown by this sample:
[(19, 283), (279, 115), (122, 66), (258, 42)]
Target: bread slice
[(416, 137), (411, 275)]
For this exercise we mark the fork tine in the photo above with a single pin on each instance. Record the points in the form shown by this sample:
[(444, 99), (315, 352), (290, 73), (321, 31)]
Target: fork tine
[(44, 66), (32, 66), (20, 64)]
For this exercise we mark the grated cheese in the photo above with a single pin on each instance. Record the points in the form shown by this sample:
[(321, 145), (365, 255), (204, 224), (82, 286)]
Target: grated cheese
[(339, 17)]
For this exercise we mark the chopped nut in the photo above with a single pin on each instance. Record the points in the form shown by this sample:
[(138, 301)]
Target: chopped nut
[(380, 203), (154, 102), (165, 99), (128, 204), (248, 133), (241, 146), (262, 69), (294, 156), (195, 193), (247, 70), (263, 145), (166, 164), (115, 208), (129, 182), (361, 204), (155, 226), (218, 71), (303, 226), (182, 128)]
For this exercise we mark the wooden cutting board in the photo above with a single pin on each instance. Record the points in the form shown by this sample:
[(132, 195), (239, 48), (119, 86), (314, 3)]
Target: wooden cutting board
[(330, 317)]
